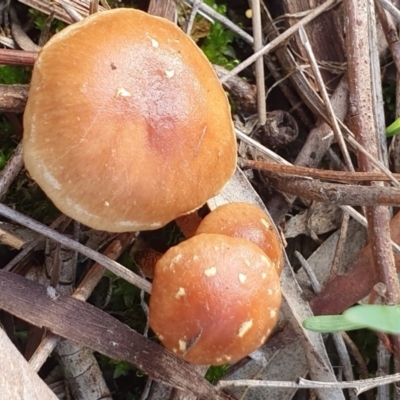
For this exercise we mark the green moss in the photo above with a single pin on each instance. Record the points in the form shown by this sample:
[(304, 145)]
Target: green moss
[(26, 197), (217, 46), (11, 74), (215, 373), (40, 19)]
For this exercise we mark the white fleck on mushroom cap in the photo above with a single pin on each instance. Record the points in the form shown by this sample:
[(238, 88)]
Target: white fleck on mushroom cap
[(214, 299)]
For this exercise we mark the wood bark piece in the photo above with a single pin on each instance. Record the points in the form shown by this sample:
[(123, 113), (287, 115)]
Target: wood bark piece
[(80, 367), (10, 171), (82, 372), (324, 34), (17, 379), (163, 8), (13, 98), (361, 114), (335, 193), (17, 57), (93, 328)]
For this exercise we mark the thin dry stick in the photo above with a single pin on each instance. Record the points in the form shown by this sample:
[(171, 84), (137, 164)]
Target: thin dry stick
[(17, 57), (353, 213), (340, 245), (387, 5), (363, 221), (10, 171), (317, 144), (360, 386), (301, 91), (195, 8), (330, 113), (392, 38), (345, 361), (316, 286), (111, 265), (337, 338), (280, 39), (295, 170), (343, 355), (31, 245), (211, 13), (264, 150), (289, 64), (358, 147), (259, 64), (390, 31), (376, 86), (396, 385), (361, 114), (383, 360), (335, 193), (362, 118), (75, 16), (287, 90), (355, 352), (82, 292)]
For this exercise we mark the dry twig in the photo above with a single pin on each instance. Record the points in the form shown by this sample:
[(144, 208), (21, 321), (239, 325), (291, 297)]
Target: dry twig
[(362, 117)]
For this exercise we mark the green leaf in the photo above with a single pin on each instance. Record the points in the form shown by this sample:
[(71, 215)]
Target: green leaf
[(377, 317), (330, 323), (393, 129), (372, 316)]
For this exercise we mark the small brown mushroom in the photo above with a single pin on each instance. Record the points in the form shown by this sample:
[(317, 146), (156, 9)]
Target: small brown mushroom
[(127, 126), (249, 222), (214, 299)]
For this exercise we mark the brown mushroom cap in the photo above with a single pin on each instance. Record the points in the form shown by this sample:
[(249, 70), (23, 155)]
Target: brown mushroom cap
[(214, 299), (246, 221), (126, 125)]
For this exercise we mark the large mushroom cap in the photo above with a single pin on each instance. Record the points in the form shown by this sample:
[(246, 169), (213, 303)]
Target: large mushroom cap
[(126, 125), (214, 299), (246, 221)]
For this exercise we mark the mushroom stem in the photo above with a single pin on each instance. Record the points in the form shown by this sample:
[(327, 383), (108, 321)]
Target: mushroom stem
[(189, 223), (146, 260)]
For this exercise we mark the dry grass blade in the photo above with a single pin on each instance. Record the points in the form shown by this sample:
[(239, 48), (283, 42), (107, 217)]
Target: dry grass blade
[(279, 40), (259, 64), (329, 109), (80, 6)]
